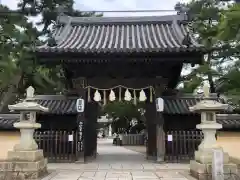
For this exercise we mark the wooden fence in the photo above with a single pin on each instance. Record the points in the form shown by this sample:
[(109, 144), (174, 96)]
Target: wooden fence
[(58, 146), (132, 139), (61, 146), (181, 145)]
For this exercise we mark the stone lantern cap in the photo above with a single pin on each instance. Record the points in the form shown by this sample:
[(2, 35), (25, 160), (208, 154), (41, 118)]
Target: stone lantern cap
[(208, 105), (28, 105)]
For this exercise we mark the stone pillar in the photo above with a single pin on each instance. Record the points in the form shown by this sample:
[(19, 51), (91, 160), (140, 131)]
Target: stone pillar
[(110, 130), (25, 161), (201, 166), (160, 138), (27, 142), (159, 130)]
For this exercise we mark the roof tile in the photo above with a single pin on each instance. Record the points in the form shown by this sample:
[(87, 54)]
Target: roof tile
[(7, 121), (112, 35), (181, 104), (229, 121), (58, 104)]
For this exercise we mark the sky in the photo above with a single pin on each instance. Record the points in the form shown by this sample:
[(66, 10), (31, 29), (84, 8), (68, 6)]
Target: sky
[(114, 5)]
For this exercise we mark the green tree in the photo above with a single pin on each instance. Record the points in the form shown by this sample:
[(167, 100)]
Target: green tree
[(229, 23), (229, 28), (204, 16), (19, 67), (49, 9), (122, 112), (229, 33)]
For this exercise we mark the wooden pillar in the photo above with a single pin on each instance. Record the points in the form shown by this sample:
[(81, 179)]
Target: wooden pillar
[(90, 133), (80, 125), (80, 137), (90, 129), (151, 130), (160, 130)]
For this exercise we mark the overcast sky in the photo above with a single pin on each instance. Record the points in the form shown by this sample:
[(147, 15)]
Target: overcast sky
[(113, 5)]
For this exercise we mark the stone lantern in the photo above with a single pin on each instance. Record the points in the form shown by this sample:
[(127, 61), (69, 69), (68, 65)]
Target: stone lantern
[(26, 156), (204, 155)]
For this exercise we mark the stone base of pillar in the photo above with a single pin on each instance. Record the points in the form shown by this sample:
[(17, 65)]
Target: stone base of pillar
[(206, 156), (151, 158), (202, 171), (160, 159), (25, 155), (23, 165)]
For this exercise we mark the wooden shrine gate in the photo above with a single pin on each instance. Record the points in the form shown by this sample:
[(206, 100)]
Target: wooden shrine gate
[(90, 124), (134, 52)]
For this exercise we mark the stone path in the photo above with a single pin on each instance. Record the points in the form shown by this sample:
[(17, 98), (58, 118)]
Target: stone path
[(109, 153), (117, 163)]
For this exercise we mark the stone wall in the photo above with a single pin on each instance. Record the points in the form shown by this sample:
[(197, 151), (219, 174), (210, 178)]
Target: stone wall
[(7, 140), (230, 141)]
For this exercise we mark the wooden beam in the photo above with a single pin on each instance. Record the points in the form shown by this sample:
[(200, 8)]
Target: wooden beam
[(184, 57), (128, 82)]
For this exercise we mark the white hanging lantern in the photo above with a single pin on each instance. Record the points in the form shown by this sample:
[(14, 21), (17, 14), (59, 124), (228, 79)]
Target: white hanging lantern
[(142, 96), (159, 105), (112, 96), (127, 96), (97, 96)]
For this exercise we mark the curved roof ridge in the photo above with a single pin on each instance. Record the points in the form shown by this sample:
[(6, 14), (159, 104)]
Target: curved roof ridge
[(54, 97), (124, 19), (190, 95)]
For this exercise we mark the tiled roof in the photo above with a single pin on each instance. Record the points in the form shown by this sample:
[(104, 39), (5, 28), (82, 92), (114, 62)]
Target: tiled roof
[(181, 104), (229, 121), (58, 104), (122, 34), (7, 121)]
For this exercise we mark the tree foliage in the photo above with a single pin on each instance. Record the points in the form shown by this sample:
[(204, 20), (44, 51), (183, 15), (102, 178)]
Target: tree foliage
[(229, 32), (229, 27), (206, 18), (122, 112), (49, 9), (18, 41), (19, 67)]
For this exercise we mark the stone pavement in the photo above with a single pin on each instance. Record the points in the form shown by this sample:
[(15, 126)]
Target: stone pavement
[(117, 163)]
